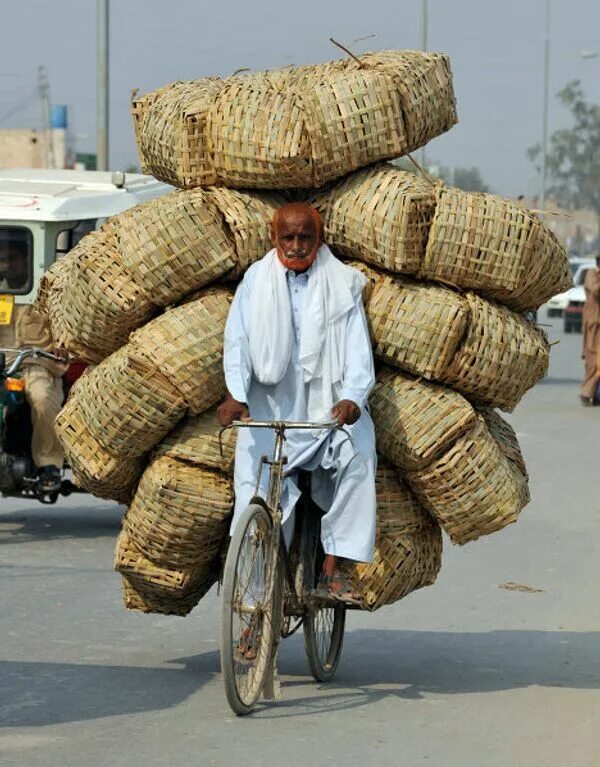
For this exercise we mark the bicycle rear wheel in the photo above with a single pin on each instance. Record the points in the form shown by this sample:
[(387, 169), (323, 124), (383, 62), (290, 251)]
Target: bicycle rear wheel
[(248, 609)]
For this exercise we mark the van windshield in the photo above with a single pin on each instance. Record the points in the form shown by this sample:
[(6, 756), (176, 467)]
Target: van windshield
[(16, 260)]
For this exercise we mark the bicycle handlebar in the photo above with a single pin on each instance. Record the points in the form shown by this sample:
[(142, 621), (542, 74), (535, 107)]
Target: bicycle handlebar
[(287, 424), (29, 351)]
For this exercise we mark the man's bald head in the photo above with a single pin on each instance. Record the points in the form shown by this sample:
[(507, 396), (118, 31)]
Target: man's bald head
[(297, 234)]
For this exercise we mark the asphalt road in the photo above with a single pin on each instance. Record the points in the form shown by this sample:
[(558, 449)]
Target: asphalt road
[(462, 674)]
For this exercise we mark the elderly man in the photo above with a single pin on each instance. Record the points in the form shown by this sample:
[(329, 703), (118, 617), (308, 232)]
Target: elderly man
[(297, 348), (591, 336)]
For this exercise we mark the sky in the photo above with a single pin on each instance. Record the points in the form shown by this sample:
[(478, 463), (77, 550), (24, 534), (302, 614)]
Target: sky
[(496, 49)]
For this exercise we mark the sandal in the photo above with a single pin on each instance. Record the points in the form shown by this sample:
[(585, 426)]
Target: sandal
[(344, 593), (248, 644)]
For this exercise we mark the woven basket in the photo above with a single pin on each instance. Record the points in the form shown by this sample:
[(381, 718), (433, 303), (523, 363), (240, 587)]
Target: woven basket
[(416, 327), (494, 246), (501, 356), (174, 244), (248, 217), (152, 589), (506, 439), (380, 215), (94, 468), (185, 344), (196, 440), (373, 277), (408, 546), (128, 408), (180, 514), (416, 421), (170, 129), (473, 489), (294, 127)]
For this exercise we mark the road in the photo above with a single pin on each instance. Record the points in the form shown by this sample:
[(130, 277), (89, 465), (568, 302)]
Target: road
[(462, 674)]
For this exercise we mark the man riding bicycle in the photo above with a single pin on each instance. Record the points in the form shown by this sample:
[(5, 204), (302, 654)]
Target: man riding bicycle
[(297, 348)]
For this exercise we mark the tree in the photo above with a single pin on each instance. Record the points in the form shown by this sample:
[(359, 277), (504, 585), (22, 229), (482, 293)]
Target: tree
[(573, 156)]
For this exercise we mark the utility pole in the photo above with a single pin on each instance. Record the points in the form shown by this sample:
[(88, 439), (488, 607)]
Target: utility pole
[(102, 86), (44, 94), (545, 109), (424, 24)]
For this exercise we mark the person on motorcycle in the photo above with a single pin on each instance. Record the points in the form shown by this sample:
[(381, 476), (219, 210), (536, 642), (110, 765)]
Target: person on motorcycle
[(297, 348), (43, 378)]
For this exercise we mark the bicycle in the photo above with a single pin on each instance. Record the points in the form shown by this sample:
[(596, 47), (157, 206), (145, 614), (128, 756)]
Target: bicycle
[(268, 592)]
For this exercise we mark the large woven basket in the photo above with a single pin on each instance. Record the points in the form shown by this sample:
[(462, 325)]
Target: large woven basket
[(128, 408), (408, 546), (506, 439), (185, 344), (180, 513), (495, 247), (380, 215), (152, 589), (174, 244), (416, 327), (196, 440), (248, 217), (416, 421), (473, 489), (294, 127), (373, 277), (94, 468), (501, 356)]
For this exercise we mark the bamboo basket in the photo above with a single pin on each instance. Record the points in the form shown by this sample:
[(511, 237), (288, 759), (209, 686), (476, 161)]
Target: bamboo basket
[(128, 408), (380, 215), (174, 244), (180, 514), (196, 440), (294, 127), (152, 589), (501, 356), (416, 327), (496, 247), (416, 422), (506, 439), (185, 344), (473, 489), (408, 546), (373, 278), (248, 217), (94, 468)]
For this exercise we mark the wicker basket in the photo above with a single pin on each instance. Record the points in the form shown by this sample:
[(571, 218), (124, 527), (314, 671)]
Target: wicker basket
[(506, 439), (196, 440), (248, 217), (152, 589), (416, 327), (408, 546), (94, 468), (495, 247), (180, 514), (416, 421), (473, 489), (373, 277), (174, 244), (185, 344), (501, 356), (294, 127), (128, 408), (380, 215)]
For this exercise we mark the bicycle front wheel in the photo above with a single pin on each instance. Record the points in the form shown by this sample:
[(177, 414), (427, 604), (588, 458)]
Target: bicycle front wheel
[(247, 609)]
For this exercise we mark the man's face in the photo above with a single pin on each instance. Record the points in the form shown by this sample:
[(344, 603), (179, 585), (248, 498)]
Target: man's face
[(296, 235)]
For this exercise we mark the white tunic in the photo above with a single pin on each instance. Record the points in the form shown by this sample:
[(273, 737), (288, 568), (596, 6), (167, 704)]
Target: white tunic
[(343, 474)]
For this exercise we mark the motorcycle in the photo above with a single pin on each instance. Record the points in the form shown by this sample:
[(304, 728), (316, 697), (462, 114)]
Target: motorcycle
[(18, 473)]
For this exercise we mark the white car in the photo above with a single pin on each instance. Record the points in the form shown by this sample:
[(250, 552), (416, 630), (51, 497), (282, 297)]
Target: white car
[(573, 311), (557, 304)]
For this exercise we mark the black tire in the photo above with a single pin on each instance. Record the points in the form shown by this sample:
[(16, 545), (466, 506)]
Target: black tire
[(248, 609), (324, 623)]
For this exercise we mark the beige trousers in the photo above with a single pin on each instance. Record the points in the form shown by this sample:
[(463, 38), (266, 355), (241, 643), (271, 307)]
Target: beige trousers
[(44, 394)]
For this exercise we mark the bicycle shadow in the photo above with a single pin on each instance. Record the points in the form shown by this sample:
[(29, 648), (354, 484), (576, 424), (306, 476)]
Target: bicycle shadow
[(411, 665), (41, 523)]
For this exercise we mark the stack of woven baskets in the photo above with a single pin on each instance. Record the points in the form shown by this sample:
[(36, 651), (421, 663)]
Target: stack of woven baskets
[(451, 274)]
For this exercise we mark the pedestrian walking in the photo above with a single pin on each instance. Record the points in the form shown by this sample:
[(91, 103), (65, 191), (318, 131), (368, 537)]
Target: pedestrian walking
[(591, 337)]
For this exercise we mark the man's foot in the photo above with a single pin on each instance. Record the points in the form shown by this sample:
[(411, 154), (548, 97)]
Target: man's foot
[(248, 644), (49, 479), (587, 401), (338, 587)]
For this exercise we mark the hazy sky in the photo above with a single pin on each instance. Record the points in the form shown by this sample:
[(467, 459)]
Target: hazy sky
[(496, 49)]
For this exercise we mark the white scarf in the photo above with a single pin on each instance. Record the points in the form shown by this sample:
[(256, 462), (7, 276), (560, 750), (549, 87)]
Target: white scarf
[(332, 292)]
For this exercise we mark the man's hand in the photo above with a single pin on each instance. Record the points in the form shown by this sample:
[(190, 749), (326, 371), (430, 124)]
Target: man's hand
[(346, 412), (231, 410)]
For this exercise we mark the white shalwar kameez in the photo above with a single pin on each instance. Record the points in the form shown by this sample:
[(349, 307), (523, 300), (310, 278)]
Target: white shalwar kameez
[(343, 473)]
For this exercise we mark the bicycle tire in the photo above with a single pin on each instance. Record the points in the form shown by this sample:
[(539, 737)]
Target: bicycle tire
[(244, 678)]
